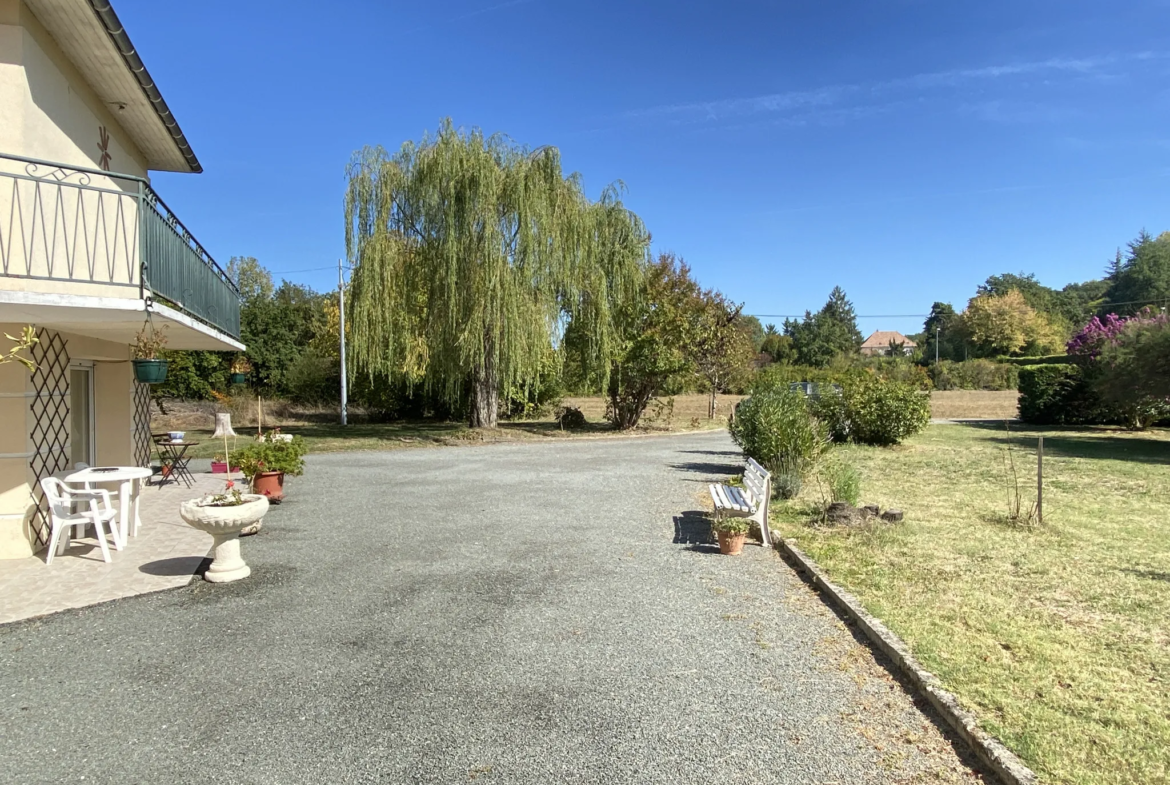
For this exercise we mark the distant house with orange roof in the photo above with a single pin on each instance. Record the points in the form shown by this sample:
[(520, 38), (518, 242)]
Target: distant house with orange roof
[(879, 343)]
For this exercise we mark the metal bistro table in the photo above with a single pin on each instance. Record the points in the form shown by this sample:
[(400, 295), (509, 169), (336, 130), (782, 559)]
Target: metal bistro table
[(129, 479), (173, 459)]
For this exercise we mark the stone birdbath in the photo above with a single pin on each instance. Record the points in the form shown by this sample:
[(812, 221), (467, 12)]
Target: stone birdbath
[(223, 516)]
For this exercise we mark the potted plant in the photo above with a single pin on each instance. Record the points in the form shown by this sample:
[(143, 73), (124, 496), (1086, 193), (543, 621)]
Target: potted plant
[(240, 370), (265, 464), (219, 464), (731, 533), (149, 368), (224, 516)]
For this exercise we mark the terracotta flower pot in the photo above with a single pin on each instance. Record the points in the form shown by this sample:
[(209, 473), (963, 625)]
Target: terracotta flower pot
[(221, 467), (269, 485), (731, 544)]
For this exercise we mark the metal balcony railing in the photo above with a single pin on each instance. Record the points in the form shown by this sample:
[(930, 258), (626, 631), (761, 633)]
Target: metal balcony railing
[(109, 231)]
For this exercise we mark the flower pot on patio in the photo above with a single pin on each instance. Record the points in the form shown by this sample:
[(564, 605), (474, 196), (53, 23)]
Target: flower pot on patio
[(150, 371), (221, 467), (223, 517), (270, 485)]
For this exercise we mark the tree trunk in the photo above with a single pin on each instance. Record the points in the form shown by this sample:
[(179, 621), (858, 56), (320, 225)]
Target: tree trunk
[(712, 402), (485, 397)]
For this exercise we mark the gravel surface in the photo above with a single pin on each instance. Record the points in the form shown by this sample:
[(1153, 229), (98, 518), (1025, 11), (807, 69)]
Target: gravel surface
[(519, 613)]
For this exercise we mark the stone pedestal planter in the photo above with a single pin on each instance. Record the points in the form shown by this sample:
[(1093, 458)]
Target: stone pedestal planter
[(225, 524)]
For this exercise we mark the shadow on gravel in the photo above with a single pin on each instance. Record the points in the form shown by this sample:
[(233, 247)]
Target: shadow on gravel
[(693, 528), (185, 565)]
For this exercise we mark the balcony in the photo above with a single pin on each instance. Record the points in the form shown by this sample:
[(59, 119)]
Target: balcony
[(91, 241)]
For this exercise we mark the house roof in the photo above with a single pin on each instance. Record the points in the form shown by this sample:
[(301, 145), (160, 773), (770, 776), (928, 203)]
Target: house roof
[(881, 340), (92, 37)]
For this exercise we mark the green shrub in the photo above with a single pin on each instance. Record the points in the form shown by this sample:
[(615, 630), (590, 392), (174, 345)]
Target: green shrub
[(570, 418), (777, 429), (884, 413), (974, 375), (844, 481), (313, 379), (830, 408), (272, 456)]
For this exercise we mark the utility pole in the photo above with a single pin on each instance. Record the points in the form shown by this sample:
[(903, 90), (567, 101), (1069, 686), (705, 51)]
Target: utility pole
[(341, 330), (936, 331)]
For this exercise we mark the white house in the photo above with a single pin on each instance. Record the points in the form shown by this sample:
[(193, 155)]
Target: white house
[(89, 252)]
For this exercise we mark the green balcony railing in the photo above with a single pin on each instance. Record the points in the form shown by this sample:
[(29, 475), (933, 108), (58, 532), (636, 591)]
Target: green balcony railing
[(176, 268), (88, 226)]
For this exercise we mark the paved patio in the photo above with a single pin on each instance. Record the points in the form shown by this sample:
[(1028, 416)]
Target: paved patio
[(513, 613), (165, 554)]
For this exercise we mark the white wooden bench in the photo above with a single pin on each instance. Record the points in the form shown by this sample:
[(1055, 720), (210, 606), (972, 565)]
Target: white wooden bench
[(750, 501)]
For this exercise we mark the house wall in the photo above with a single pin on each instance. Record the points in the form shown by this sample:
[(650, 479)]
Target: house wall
[(81, 241), (40, 443)]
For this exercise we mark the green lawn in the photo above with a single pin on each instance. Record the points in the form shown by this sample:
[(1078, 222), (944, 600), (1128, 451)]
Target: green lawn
[(331, 437), (1058, 636)]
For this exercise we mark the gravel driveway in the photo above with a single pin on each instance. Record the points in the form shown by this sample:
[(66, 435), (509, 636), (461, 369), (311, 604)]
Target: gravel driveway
[(514, 613)]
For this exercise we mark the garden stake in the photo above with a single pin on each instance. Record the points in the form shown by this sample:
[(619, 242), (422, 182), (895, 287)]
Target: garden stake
[(1040, 481)]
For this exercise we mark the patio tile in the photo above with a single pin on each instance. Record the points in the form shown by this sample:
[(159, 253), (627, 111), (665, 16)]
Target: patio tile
[(165, 554)]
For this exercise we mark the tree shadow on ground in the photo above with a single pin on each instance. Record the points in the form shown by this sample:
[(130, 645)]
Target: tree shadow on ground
[(709, 468), (693, 529), (1153, 575), (1107, 444)]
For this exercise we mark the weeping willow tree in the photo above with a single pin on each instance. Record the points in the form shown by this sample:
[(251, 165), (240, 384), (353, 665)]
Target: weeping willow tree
[(471, 254)]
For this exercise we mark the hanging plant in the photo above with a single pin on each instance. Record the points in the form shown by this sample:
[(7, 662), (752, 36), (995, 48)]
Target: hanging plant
[(149, 367), (240, 369)]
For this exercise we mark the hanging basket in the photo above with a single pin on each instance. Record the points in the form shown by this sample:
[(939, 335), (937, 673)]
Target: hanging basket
[(150, 371), (238, 378)]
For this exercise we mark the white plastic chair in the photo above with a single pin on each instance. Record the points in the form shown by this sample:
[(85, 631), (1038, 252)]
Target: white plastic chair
[(61, 516)]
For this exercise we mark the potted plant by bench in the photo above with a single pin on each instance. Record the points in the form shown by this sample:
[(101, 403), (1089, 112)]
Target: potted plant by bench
[(149, 367), (265, 464), (732, 532)]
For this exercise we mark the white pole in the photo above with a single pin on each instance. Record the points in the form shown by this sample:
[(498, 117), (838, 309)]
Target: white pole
[(341, 329)]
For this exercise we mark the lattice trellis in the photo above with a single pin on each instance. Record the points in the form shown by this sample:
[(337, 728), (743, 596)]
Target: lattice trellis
[(142, 440), (50, 414)]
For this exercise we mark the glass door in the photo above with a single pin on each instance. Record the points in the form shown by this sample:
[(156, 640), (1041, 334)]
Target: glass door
[(80, 414)]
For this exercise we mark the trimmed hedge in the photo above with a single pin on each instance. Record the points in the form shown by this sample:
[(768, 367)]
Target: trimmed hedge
[(1062, 394), (1048, 359)]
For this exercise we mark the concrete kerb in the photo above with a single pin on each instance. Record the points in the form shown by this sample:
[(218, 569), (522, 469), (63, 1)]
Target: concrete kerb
[(996, 757)]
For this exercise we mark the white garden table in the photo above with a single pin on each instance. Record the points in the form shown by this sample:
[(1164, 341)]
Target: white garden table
[(129, 479)]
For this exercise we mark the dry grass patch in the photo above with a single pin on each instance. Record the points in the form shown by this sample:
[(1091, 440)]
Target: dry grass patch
[(1056, 635), (974, 404)]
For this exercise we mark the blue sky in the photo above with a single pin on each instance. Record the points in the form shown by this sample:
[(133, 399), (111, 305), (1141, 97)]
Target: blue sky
[(903, 149)]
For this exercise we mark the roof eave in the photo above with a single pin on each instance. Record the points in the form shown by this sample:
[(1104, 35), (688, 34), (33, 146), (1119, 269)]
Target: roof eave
[(121, 40)]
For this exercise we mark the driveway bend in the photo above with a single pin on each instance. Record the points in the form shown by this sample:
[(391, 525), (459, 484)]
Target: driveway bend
[(517, 613)]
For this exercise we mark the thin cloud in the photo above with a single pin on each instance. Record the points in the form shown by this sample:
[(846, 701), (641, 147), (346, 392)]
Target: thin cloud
[(797, 101)]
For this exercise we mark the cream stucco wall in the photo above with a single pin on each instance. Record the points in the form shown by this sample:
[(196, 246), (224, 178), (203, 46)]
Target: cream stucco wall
[(50, 112), (66, 239), (113, 397)]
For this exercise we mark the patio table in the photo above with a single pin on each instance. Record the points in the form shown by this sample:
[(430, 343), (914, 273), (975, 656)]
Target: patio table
[(173, 459), (129, 479)]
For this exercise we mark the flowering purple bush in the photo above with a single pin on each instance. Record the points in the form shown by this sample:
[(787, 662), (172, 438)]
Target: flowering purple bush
[(1095, 335)]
